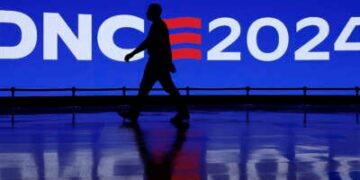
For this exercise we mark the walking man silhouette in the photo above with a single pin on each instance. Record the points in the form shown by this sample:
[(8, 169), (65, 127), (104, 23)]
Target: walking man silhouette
[(158, 67)]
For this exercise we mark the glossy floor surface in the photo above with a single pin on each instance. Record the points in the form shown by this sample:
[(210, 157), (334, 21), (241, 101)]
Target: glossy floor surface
[(218, 145)]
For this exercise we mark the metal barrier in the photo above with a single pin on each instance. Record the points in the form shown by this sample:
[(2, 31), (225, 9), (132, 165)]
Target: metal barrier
[(247, 90), (124, 91)]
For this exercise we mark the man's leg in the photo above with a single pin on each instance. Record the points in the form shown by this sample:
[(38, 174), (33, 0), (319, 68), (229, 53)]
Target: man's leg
[(169, 86), (146, 85)]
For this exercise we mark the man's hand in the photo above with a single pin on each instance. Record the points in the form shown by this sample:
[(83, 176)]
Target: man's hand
[(128, 57)]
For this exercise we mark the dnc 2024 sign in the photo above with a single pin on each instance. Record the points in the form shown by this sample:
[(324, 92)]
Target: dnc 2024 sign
[(256, 43)]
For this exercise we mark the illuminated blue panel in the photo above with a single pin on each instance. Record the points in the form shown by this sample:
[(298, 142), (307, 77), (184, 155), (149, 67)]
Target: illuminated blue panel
[(340, 69)]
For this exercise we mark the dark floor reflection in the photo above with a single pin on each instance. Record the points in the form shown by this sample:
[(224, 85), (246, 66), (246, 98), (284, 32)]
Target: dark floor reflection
[(159, 166), (218, 145)]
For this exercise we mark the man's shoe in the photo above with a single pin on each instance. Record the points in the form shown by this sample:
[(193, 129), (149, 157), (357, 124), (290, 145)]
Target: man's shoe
[(180, 118)]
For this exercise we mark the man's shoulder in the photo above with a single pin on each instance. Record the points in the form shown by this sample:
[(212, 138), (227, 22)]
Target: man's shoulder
[(159, 23)]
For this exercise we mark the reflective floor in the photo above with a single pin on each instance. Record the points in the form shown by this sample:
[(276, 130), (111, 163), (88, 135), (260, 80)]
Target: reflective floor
[(218, 145)]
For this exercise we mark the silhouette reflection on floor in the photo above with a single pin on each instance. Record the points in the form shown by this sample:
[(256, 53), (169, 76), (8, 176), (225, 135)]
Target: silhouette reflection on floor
[(160, 166), (218, 145)]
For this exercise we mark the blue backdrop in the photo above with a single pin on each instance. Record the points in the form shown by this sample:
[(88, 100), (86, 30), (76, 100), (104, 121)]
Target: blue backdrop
[(342, 70)]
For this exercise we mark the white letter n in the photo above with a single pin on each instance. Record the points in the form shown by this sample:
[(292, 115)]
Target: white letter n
[(55, 27)]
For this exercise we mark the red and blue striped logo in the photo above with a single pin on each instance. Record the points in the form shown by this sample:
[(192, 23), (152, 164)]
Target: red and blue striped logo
[(185, 37)]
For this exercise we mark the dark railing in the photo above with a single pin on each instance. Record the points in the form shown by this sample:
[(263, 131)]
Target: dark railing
[(124, 90), (247, 91)]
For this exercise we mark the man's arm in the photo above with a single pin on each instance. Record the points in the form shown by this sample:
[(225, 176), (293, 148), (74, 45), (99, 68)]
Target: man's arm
[(140, 48)]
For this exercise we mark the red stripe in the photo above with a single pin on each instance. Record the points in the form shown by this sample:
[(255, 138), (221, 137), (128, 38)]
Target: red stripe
[(183, 22), (185, 38), (186, 53)]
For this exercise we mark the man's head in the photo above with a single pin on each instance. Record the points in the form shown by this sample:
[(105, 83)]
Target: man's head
[(154, 11)]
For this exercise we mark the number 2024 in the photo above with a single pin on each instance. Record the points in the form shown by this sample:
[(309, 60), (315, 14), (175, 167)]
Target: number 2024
[(304, 53)]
